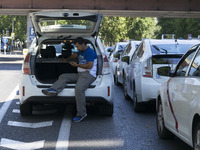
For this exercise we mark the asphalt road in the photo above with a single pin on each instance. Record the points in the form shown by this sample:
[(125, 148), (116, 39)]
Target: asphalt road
[(49, 128)]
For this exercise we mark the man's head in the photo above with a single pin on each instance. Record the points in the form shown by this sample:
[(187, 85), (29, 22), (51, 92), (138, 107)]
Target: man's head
[(80, 44)]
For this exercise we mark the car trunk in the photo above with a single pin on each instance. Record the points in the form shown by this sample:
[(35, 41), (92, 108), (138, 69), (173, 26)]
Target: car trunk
[(49, 64)]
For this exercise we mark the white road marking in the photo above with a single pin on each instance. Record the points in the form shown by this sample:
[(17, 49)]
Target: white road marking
[(38, 112), (16, 111), (63, 137), (17, 145), (7, 103), (17, 103), (30, 125), (100, 143)]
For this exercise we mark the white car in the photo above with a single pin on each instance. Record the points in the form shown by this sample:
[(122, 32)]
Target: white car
[(178, 100), (142, 80), (42, 65), (115, 55), (122, 62)]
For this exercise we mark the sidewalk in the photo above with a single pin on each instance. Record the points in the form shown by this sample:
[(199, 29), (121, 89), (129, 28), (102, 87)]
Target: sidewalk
[(13, 57), (13, 54)]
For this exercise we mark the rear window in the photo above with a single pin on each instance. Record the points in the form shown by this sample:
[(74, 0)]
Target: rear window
[(165, 60), (63, 26), (170, 48)]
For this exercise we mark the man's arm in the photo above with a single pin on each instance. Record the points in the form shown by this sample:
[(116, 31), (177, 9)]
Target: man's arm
[(73, 56), (88, 65)]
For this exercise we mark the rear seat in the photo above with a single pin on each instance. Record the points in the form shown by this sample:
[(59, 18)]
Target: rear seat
[(49, 52)]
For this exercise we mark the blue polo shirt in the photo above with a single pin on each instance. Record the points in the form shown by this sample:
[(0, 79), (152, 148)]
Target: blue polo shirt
[(88, 55)]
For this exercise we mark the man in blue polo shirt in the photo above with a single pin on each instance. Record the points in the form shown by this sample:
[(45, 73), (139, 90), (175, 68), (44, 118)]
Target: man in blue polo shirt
[(87, 68)]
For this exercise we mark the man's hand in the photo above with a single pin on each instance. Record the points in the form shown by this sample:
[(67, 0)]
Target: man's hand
[(74, 64)]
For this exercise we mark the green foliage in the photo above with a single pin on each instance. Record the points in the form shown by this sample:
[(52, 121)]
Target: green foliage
[(116, 29), (181, 27), (20, 26)]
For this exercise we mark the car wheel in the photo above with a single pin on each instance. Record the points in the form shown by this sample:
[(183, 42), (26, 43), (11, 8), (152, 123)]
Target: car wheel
[(26, 109), (196, 137), (163, 132), (138, 107), (116, 78), (106, 109), (125, 88)]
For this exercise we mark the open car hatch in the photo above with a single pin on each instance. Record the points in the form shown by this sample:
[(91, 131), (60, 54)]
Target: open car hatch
[(65, 23)]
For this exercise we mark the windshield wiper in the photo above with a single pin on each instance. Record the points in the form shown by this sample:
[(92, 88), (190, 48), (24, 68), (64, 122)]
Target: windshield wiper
[(159, 49)]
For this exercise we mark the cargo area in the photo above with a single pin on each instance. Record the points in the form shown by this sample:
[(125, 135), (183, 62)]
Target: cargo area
[(50, 61)]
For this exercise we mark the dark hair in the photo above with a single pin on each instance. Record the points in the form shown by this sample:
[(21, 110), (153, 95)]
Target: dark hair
[(80, 40)]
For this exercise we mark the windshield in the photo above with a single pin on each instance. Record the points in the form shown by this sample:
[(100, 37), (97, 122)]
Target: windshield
[(63, 26), (170, 48)]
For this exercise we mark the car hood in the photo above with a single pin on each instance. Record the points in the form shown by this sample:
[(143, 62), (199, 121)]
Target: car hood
[(61, 23)]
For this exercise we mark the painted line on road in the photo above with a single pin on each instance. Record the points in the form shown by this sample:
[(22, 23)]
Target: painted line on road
[(63, 137), (12, 144), (38, 112), (7, 103), (16, 111), (30, 125)]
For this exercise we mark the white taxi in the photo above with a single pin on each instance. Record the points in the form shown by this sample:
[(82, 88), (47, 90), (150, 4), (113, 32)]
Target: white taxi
[(178, 100)]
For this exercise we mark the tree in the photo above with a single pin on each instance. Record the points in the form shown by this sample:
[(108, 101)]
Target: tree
[(116, 29), (181, 27), (141, 27), (113, 29), (20, 26)]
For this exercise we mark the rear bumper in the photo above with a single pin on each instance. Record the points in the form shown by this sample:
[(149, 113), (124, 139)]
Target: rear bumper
[(63, 99), (100, 93), (149, 89)]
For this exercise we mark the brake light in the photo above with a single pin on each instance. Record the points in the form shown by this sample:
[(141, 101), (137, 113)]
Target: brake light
[(115, 60), (26, 65), (108, 91), (23, 91), (147, 70), (106, 65)]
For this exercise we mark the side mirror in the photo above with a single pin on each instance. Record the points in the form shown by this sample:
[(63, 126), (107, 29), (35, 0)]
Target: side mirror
[(125, 59), (164, 71)]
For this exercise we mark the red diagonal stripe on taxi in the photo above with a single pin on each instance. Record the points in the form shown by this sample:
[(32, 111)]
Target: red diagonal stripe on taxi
[(170, 104)]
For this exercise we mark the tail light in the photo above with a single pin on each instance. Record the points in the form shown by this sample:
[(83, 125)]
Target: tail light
[(106, 65), (115, 60), (26, 65), (147, 70)]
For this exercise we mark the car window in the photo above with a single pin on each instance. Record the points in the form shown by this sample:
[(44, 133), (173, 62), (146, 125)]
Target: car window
[(134, 56), (127, 49), (182, 68), (195, 67), (177, 48), (141, 50)]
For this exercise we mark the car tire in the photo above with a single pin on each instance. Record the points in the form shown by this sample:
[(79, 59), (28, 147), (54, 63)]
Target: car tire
[(138, 107), (126, 96), (163, 132), (26, 109), (106, 109), (116, 78), (196, 135)]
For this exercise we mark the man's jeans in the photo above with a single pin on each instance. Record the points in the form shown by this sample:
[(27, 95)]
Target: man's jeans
[(84, 79)]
